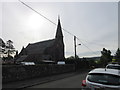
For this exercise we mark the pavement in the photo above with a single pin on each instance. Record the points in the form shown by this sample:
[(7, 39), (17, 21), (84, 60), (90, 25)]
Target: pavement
[(36, 81)]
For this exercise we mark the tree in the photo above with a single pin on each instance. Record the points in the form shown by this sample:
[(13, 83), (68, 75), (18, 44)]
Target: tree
[(8, 50), (105, 57), (10, 47), (79, 63), (16, 56), (73, 58), (117, 55), (2, 46)]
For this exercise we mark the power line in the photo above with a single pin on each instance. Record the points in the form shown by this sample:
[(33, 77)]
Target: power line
[(55, 24), (45, 17), (86, 46), (38, 13)]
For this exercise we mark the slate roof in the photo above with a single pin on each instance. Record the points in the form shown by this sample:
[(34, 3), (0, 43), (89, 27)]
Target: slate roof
[(22, 58), (39, 47)]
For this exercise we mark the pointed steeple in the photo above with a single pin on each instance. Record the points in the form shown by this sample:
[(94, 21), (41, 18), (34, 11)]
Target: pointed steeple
[(59, 33)]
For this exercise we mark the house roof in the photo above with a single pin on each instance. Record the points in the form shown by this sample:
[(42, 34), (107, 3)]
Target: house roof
[(39, 47)]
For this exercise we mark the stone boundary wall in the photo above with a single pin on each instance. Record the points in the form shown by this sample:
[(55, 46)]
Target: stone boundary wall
[(12, 73)]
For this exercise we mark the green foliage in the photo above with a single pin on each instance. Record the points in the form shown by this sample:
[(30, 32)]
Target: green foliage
[(105, 57), (7, 58), (113, 60), (72, 58), (117, 55), (97, 61), (16, 55), (79, 63), (8, 49)]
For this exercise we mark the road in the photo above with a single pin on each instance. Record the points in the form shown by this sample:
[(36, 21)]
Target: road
[(69, 82)]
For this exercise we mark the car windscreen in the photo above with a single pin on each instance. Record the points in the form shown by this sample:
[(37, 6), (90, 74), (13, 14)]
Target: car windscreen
[(107, 79), (113, 67)]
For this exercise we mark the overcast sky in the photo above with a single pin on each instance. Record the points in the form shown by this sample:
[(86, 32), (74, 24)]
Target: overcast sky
[(94, 23)]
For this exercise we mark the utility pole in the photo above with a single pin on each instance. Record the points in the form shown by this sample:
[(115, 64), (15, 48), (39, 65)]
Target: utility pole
[(75, 46), (76, 65)]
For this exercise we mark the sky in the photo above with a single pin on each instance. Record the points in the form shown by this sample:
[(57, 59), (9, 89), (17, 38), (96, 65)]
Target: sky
[(94, 23)]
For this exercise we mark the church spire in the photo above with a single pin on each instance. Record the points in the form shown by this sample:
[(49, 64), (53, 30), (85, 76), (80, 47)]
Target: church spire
[(59, 29)]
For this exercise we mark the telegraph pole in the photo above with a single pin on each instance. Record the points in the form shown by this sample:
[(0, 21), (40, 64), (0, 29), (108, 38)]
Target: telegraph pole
[(75, 46)]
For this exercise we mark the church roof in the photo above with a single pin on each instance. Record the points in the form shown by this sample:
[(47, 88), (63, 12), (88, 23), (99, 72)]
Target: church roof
[(39, 47), (22, 58)]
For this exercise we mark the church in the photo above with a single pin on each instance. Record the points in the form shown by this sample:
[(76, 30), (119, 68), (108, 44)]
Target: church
[(52, 50)]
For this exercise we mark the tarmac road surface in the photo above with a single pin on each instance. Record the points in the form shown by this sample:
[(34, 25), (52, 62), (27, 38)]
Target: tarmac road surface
[(68, 82)]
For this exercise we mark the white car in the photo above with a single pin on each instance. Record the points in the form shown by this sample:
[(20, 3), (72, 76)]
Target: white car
[(102, 79), (61, 62), (27, 63), (113, 66)]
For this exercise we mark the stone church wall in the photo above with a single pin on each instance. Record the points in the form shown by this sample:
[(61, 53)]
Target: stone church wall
[(13, 73)]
